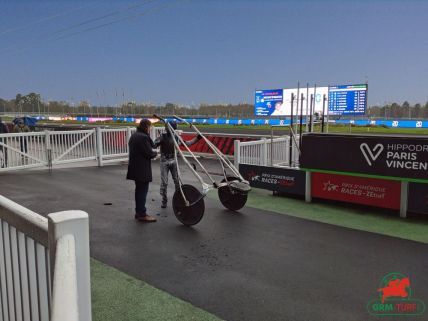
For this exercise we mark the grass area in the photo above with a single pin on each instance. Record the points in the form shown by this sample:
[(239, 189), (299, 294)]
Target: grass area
[(117, 296), (348, 216)]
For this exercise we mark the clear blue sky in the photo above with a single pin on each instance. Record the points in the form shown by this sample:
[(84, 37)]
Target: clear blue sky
[(211, 51)]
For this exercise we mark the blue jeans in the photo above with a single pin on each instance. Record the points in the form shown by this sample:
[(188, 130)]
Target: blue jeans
[(141, 190)]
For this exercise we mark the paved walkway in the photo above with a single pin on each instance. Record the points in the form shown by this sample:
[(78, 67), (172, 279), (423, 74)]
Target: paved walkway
[(252, 265)]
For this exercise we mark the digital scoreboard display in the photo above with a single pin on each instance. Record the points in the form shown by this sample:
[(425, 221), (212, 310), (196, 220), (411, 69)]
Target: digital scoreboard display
[(347, 100)]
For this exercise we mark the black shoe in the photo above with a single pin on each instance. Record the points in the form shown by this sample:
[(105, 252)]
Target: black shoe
[(163, 205)]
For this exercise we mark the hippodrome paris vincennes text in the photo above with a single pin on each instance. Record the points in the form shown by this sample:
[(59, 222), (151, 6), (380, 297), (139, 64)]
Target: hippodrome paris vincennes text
[(405, 156)]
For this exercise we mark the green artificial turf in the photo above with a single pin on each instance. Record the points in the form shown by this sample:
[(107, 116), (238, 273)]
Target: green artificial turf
[(117, 296), (345, 215)]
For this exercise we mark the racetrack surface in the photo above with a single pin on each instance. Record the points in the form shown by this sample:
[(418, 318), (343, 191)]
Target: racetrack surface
[(251, 265)]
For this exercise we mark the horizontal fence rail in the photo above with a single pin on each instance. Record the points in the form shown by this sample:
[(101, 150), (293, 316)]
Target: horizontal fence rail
[(28, 242), (268, 152)]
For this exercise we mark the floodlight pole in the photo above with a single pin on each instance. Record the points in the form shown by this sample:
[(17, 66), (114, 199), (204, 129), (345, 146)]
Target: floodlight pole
[(328, 108), (291, 130), (323, 112), (311, 113), (297, 104), (301, 120), (307, 100)]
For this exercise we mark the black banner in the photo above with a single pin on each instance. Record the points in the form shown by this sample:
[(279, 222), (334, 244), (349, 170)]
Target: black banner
[(281, 180), (418, 198), (391, 156)]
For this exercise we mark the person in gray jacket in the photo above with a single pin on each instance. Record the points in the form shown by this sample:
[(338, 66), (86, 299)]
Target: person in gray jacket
[(167, 160)]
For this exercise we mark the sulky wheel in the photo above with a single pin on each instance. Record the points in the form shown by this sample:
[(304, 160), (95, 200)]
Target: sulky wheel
[(192, 214), (233, 196)]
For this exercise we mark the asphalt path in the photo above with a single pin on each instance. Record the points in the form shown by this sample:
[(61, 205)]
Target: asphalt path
[(251, 265)]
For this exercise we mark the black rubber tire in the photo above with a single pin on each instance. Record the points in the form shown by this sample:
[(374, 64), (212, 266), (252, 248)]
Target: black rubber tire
[(188, 215), (229, 199)]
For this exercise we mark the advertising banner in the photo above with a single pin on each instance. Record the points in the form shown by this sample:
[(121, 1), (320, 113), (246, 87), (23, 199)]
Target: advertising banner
[(359, 190), (387, 156), (267, 101), (418, 198), (275, 179)]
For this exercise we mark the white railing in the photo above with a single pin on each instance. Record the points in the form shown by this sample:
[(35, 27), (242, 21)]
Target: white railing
[(267, 152), (71, 146), (23, 150), (32, 252), (50, 148), (114, 144)]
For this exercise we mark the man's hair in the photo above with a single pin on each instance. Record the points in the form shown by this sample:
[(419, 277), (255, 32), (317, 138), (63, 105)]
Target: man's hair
[(144, 125)]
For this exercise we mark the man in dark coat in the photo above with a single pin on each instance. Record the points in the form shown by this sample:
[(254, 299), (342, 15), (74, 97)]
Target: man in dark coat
[(140, 168)]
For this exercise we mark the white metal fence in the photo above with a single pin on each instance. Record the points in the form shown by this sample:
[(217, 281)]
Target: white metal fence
[(50, 148), (35, 250), (268, 152)]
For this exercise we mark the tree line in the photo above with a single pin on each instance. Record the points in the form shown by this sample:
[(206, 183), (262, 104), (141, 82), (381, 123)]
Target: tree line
[(32, 104)]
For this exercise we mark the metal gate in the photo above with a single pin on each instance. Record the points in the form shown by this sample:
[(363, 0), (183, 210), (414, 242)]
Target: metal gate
[(71, 146), (22, 150)]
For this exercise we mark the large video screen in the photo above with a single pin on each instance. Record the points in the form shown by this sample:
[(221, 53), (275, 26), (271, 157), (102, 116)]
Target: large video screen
[(267, 101), (347, 100), (318, 94)]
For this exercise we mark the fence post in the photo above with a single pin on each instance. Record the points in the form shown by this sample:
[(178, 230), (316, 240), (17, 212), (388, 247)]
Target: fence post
[(403, 199), (74, 223), (237, 153), (264, 151), (99, 139), (128, 133), (48, 149), (308, 188), (153, 132)]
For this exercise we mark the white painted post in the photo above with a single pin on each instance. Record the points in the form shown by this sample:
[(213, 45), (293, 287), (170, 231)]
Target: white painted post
[(99, 139), (74, 223), (264, 152), (153, 132), (403, 199), (128, 133), (237, 153), (48, 149), (308, 188)]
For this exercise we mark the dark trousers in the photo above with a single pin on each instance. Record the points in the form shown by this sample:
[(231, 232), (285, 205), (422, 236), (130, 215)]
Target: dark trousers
[(141, 190)]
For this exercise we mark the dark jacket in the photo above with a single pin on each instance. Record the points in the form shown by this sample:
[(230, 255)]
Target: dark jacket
[(3, 128), (167, 146), (140, 155)]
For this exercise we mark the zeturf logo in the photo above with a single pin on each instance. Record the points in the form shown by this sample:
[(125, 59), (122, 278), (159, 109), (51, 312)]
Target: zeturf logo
[(371, 154), (395, 298)]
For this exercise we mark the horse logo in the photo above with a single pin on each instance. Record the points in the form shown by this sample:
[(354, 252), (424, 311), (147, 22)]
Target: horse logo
[(395, 288), (395, 298)]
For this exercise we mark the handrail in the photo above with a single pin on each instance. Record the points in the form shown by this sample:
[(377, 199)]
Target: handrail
[(24, 220)]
